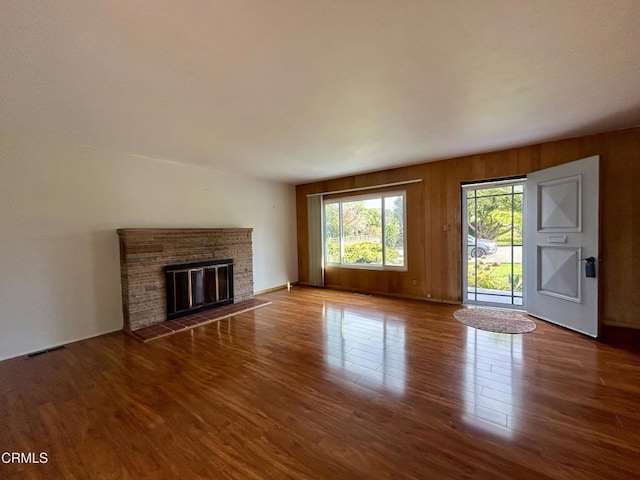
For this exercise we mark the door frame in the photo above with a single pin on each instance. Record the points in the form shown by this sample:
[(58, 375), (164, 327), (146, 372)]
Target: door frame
[(464, 187)]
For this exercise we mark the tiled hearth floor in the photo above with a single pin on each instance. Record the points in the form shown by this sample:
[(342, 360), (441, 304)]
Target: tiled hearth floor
[(170, 327)]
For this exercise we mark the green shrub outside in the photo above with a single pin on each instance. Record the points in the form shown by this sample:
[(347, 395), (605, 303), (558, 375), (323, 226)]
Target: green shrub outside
[(360, 253), (496, 276), (505, 239), (333, 252)]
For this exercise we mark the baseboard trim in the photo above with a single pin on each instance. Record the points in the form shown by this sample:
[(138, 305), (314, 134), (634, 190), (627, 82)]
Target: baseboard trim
[(58, 345), (625, 337), (273, 289), (620, 325), (394, 295)]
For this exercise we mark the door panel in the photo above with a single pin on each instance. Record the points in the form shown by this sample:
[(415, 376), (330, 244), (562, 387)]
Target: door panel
[(561, 205), (559, 272)]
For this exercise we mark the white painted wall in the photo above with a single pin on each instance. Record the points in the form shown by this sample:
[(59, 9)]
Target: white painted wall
[(60, 206)]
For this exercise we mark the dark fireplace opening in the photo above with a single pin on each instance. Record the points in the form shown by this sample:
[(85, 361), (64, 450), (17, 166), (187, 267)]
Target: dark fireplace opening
[(193, 287)]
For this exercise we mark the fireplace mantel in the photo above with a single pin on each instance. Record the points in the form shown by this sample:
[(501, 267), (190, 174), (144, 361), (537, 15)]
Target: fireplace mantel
[(145, 252)]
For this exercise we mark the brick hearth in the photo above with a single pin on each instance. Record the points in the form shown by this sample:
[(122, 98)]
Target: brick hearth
[(170, 327), (144, 252)]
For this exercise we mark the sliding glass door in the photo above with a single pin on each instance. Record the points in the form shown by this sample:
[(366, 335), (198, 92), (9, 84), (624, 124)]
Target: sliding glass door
[(492, 243)]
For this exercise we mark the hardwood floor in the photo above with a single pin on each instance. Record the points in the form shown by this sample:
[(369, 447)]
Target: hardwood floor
[(325, 384)]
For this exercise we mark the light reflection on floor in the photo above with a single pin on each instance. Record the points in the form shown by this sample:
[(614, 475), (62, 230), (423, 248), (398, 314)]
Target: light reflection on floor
[(492, 381), (370, 348)]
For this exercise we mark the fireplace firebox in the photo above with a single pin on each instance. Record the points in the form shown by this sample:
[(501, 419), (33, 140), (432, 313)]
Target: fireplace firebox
[(193, 287)]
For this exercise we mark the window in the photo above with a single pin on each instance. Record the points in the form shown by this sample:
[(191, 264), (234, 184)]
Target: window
[(367, 230)]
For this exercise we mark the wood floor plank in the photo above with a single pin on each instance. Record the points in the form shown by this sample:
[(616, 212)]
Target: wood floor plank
[(326, 384)]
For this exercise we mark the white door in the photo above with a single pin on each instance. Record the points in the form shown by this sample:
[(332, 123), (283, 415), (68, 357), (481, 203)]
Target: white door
[(561, 232)]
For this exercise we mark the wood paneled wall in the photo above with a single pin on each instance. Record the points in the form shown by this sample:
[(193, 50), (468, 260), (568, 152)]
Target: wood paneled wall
[(434, 220)]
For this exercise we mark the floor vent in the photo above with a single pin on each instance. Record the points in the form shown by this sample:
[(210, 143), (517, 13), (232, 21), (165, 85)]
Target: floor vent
[(53, 349)]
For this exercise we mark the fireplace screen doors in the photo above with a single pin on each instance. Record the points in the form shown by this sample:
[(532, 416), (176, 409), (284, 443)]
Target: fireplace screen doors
[(198, 286)]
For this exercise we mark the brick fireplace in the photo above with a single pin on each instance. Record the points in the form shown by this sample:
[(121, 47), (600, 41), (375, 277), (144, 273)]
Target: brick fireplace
[(145, 252)]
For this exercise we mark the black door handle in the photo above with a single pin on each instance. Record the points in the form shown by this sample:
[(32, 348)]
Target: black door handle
[(589, 267)]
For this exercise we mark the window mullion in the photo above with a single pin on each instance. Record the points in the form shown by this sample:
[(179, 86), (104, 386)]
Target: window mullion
[(384, 247), (341, 234)]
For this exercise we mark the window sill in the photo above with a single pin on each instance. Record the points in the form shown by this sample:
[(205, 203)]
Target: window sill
[(377, 268)]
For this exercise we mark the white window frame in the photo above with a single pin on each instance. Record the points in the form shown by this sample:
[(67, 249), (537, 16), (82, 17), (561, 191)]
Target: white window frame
[(369, 196)]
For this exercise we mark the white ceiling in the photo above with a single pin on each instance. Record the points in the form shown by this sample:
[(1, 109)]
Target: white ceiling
[(299, 90)]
